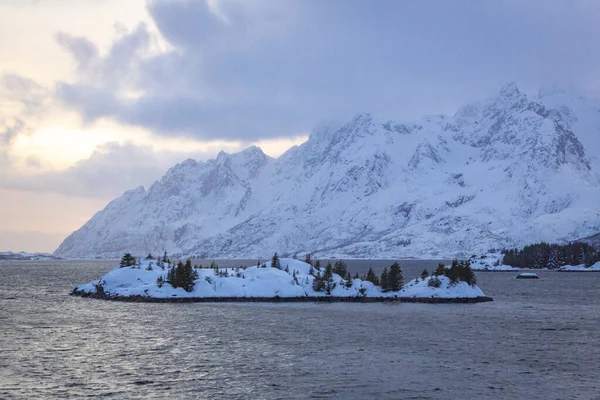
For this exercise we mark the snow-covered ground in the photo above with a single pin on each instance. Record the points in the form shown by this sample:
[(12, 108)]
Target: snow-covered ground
[(581, 268), (261, 282), (490, 262)]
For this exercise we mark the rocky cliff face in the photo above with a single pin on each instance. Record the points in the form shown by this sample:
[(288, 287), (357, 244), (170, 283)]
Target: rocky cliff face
[(508, 171)]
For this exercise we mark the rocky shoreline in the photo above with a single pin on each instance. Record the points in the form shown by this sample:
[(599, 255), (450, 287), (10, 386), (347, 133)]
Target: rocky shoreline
[(311, 299)]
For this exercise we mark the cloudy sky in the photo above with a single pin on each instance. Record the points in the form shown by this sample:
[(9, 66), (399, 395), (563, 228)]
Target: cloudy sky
[(100, 96)]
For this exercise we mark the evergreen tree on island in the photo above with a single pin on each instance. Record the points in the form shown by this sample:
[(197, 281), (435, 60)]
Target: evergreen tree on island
[(275, 261), (171, 279), (189, 276), (318, 283), (395, 280), (340, 268), (371, 277), (440, 270), (182, 275), (349, 281), (384, 280), (328, 278), (127, 260), (308, 260), (318, 265), (424, 274)]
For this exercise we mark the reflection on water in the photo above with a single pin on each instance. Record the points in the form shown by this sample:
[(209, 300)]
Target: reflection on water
[(536, 341)]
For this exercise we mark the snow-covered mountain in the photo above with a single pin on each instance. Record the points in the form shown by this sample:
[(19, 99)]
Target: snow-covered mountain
[(511, 170)]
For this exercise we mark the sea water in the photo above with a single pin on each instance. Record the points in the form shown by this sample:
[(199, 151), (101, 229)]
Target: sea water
[(537, 340)]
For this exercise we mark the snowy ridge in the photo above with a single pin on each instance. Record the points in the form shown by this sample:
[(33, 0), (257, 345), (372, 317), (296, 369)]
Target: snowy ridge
[(512, 170), (261, 282)]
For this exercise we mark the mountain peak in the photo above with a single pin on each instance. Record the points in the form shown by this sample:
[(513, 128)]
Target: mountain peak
[(253, 151), (510, 90)]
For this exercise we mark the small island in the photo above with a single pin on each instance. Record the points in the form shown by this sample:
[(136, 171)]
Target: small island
[(285, 279), (527, 275)]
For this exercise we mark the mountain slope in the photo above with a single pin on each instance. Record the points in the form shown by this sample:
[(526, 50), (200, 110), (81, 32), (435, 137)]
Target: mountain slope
[(508, 171)]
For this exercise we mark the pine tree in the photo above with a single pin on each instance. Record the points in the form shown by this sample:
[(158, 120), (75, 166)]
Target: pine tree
[(307, 259), (340, 268), (424, 274), (349, 280), (466, 274), (318, 265), (149, 256), (328, 277), (384, 280), (171, 276), (165, 258), (395, 280), (179, 275), (160, 281), (328, 271), (127, 260), (275, 261), (440, 270), (318, 283), (188, 276), (452, 272), (371, 277), (434, 281)]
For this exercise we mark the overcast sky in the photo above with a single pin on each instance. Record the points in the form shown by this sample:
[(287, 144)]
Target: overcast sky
[(100, 96)]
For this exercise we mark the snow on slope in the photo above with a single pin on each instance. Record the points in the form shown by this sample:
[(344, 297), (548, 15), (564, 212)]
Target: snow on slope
[(261, 282), (581, 268), (490, 262), (506, 172)]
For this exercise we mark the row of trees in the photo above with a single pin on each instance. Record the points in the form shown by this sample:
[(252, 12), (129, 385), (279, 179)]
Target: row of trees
[(391, 279), (458, 271), (545, 255), (180, 275)]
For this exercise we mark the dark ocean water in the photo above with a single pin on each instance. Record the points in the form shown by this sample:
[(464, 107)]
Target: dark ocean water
[(537, 340)]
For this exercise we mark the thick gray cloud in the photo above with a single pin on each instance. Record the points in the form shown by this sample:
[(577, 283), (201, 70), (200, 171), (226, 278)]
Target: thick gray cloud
[(269, 69)]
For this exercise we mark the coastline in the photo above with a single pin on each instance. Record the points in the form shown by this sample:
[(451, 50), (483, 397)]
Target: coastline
[(305, 299)]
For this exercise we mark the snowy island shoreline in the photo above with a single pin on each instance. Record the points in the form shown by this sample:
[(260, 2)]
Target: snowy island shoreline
[(291, 280), (495, 262)]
